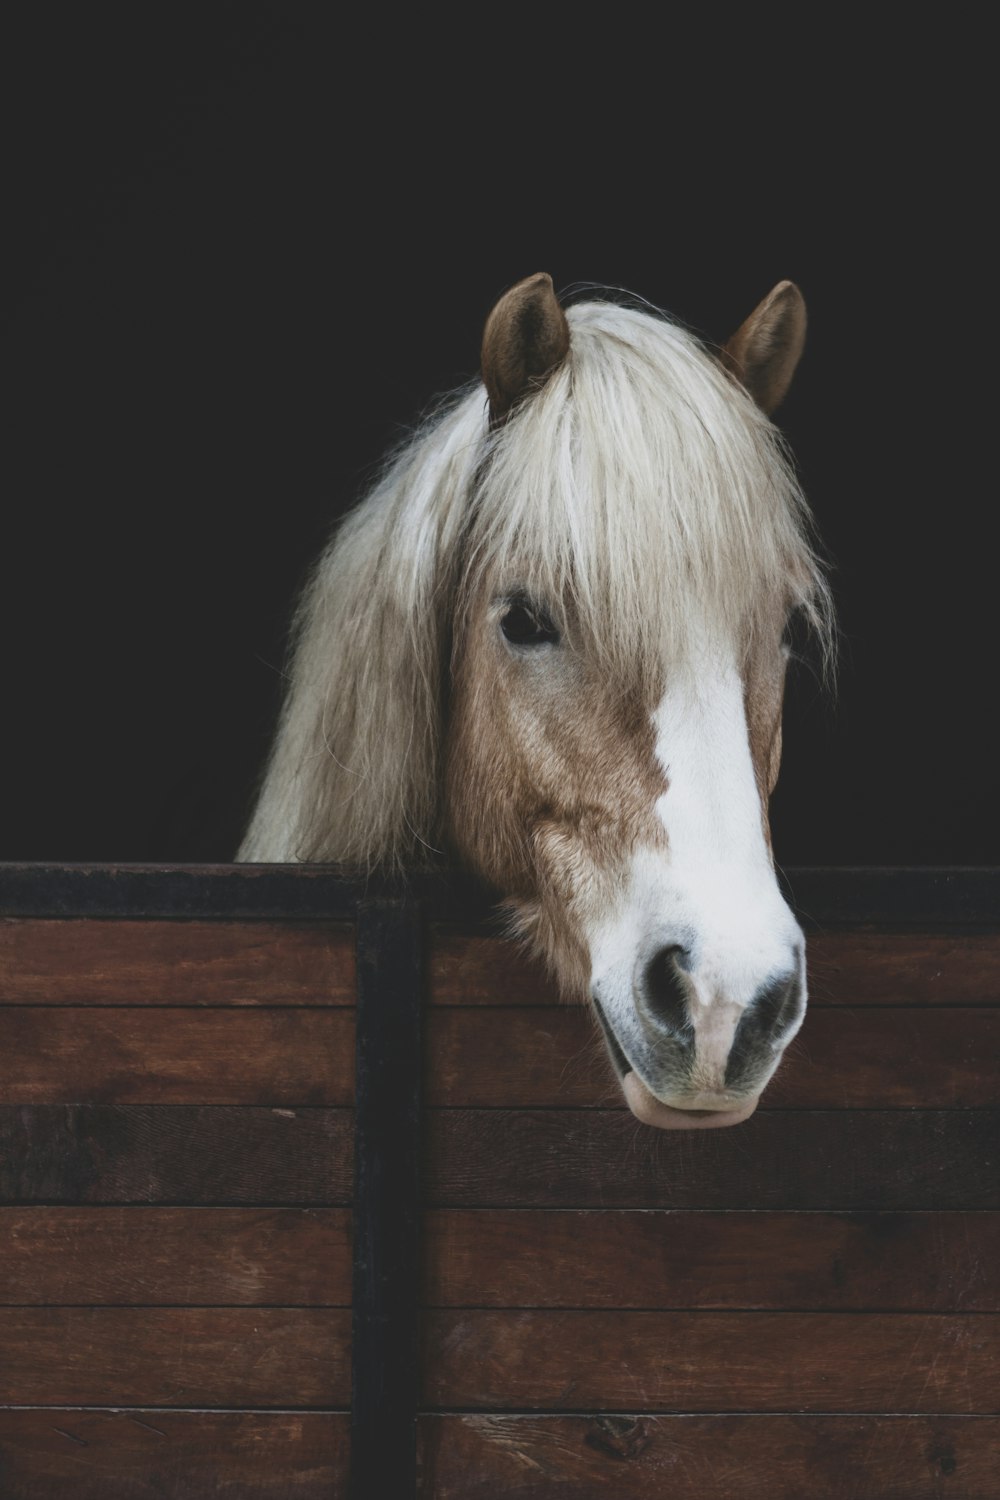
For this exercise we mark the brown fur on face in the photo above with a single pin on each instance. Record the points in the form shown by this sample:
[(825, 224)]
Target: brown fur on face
[(552, 778), (764, 672)]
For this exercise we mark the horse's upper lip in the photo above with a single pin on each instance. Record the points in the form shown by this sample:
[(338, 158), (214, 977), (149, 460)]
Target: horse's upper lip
[(652, 1111)]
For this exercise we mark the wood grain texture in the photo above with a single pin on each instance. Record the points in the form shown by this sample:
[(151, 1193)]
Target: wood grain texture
[(175, 1154), (710, 1457), (848, 1159), (281, 1057), (919, 1262), (198, 1356), (841, 1059), (845, 968), (713, 1361), (147, 1454), (106, 962), (191, 1256)]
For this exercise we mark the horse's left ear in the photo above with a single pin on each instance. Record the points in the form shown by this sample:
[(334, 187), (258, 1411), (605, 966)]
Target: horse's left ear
[(764, 351), (525, 338)]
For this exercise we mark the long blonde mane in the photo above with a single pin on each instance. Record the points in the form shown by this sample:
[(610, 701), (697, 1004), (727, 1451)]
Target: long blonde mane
[(640, 483)]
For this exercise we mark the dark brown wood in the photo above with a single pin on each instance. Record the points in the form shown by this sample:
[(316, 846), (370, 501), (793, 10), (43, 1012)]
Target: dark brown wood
[(712, 1361), (466, 968), (146, 1454), (101, 962), (921, 899), (918, 1262), (841, 1059), (276, 1057), (912, 968), (710, 1457), (385, 1373), (296, 1257), (182, 1356), (849, 1159), (891, 1059), (845, 968), (175, 1154)]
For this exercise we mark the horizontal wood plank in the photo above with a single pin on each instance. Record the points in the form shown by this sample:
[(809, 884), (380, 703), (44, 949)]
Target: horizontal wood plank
[(176, 1056), (152, 1356), (849, 1159), (146, 1454), (710, 1457), (188, 1256), (917, 1262), (713, 1361), (108, 962), (845, 968), (175, 1154), (909, 968), (841, 1059)]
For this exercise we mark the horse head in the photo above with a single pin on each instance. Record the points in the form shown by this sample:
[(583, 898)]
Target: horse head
[(553, 643)]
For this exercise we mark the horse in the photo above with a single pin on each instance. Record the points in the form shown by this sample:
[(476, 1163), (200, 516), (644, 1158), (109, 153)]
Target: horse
[(550, 645)]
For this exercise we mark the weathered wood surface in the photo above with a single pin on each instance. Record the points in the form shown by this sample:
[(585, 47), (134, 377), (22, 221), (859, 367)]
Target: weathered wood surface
[(710, 1457), (712, 1361), (845, 968), (841, 1059), (106, 962), (186, 1256), (181, 1356), (823, 1159), (917, 1262), (143, 1454), (175, 1154), (275, 1057)]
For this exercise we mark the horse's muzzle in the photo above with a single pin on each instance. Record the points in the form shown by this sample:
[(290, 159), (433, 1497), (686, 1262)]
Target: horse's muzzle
[(652, 1111)]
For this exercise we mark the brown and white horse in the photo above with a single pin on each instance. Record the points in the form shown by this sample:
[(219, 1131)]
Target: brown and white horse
[(550, 643)]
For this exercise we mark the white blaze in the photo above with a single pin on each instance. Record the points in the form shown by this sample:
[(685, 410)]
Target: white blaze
[(713, 890)]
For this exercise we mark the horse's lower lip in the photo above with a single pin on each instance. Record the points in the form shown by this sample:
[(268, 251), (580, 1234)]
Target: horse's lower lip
[(652, 1111)]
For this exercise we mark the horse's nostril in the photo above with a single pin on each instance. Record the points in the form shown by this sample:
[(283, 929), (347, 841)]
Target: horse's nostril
[(779, 1004), (764, 1025), (664, 991)]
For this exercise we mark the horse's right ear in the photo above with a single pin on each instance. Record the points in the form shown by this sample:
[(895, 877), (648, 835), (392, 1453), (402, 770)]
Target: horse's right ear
[(525, 338)]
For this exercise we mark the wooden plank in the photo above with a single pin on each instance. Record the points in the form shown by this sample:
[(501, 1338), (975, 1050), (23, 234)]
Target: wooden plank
[(920, 899), (143, 1454), (712, 1361), (385, 1378), (101, 962), (192, 1256), (467, 969), (916, 1262), (175, 1154), (710, 1457), (579, 1158), (913, 968), (841, 1059), (845, 968), (183, 1056), (179, 1356)]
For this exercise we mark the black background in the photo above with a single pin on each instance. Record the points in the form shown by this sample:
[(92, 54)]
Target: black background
[(245, 245)]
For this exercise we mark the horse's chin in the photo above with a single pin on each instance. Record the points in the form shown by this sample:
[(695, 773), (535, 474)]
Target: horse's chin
[(652, 1111)]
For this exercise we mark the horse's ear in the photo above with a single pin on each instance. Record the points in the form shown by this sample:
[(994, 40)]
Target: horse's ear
[(525, 338), (764, 351)]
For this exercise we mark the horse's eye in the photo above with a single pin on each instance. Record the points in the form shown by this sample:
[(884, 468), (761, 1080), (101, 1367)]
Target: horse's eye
[(525, 625)]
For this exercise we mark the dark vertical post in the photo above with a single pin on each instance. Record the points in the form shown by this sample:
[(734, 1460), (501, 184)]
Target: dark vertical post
[(385, 1353)]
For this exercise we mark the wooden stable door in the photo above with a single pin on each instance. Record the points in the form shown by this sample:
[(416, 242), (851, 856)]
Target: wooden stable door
[(804, 1305)]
